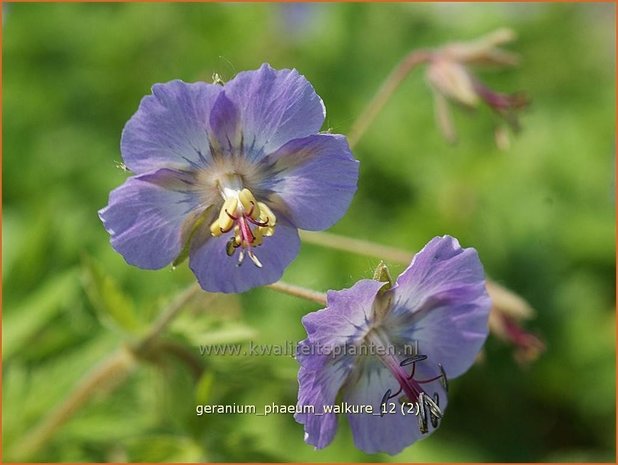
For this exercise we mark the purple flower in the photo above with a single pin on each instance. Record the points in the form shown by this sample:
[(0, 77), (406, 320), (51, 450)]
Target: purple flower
[(228, 172), (391, 349)]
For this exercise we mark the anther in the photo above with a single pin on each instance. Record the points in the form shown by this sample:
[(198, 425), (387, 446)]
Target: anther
[(443, 378), (422, 414), (250, 220), (249, 204), (267, 214), (230, 247), (435, 414)]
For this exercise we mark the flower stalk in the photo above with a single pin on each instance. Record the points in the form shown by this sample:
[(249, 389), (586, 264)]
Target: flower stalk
[(298, 291), (449, 74), (385, 92)]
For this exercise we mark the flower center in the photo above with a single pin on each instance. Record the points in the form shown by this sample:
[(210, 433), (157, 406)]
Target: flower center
[(250, 220), (428, 407)]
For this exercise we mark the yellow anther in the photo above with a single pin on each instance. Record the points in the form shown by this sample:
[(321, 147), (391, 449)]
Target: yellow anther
[(266, 231), (267, 214), (230, 247), (229, 208), (237, 236), (215, 228), (258, 236), (225, 223), (227, 211), (249, 204), (248, 222)]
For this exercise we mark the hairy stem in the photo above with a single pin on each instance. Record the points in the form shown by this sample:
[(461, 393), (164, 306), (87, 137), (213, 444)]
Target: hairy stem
[(297, 291), (385, 92), (357, 246), (103, 378)]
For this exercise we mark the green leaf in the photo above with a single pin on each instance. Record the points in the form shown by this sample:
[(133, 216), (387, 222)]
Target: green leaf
[(23, 321), (114, 308), (203, 332), (203, 389), (163, 448)]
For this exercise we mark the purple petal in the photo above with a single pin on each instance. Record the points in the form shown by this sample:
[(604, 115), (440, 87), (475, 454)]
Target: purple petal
[(347, 316), (276, 107), (440, 300), (391, 432), (217, 272), (320, 377), (316, 178), (226, 132), (170, 127), (148, 215), (323, 371)]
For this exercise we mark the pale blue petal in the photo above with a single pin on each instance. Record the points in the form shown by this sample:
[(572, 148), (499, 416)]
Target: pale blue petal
[(391, 432), (440, 301), (149, 215), (217, 272), (170, 128), (320, 378), (315, 178), (276, 106)]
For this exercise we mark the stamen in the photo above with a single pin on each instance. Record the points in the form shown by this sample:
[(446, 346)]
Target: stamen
[(444, 379), (428, 408), (249, 204), (251, 221), (230, 247), (413, 359), (387, 396), (229, 205), (425, 381), (259, 223), (254, 259), (422, 414), (435, 420), (433, 407)]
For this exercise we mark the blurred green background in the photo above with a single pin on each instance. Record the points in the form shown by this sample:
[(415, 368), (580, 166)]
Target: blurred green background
[(542, 216)]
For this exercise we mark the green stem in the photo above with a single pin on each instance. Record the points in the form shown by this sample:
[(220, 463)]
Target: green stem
[(385, 92), (297, 291), (357, 246)]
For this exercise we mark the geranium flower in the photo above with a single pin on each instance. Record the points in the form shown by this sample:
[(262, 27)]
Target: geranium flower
[(228, 172), (392, 348)]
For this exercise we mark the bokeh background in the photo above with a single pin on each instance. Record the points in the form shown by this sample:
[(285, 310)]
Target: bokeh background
[(542, 216)]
